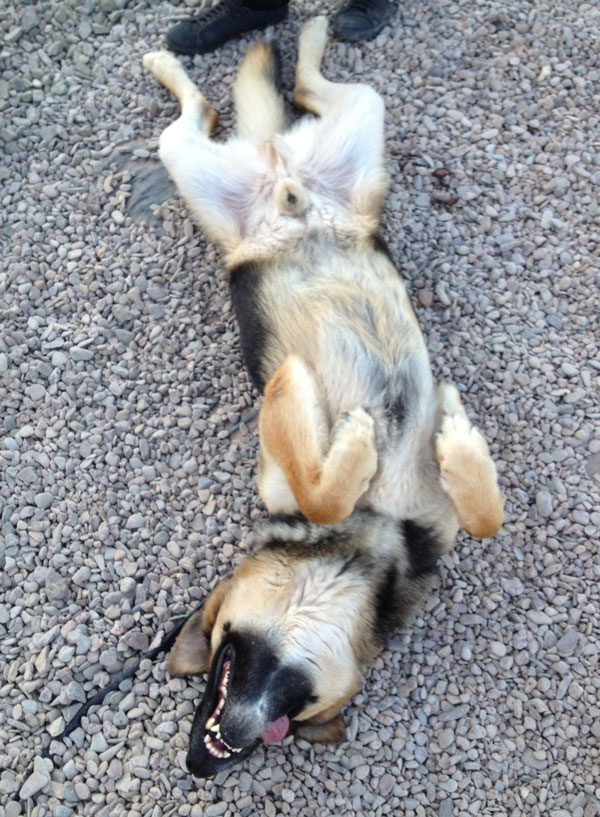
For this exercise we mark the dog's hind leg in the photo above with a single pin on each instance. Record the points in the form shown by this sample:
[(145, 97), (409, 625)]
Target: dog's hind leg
[(217, 181), (258, 103), (468, 474), (314, 93), (170, 72), (326, 472), (346, 151)]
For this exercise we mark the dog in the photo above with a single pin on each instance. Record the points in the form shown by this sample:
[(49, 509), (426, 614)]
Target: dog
[(367, 469)]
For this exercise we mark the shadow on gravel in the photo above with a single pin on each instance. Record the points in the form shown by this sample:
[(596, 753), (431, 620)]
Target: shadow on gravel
[(150, 182)]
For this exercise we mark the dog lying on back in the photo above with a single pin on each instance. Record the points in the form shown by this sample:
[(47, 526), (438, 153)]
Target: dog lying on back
[(367, 468)]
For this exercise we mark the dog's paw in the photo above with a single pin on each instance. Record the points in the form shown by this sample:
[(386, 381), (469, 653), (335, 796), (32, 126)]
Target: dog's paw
[(468, 475), (449, 400), (160, 63), (354, 432), (356, 425), (314, 34), (459, 445)]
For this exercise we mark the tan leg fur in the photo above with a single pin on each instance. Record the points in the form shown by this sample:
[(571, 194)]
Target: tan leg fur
[(468, 473), (326, 478)]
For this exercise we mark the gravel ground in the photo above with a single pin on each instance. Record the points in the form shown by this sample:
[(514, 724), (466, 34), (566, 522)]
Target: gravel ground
[(128, 438)]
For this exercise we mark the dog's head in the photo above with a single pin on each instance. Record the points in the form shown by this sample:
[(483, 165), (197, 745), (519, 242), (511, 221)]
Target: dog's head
[(286, 642)]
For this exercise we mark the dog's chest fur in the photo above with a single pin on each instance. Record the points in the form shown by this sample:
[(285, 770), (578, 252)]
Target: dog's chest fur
[(345, 311)]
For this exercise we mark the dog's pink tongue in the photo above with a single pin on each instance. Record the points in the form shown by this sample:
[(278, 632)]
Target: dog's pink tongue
[(277, 730)]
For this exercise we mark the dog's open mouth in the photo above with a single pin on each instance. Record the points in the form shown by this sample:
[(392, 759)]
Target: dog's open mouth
[(214, 741), (247, 690)]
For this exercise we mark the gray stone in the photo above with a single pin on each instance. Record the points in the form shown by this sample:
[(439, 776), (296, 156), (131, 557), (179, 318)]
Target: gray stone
[(135, 522), (110, 660), (75, 692), (57, 588), (498, 649), (79, 353), (568, 643), (446, 738), (128, 587), (44, 500), (569, 370), (386, 784), (445, 809), (538, 617), (543, 502), (36, 391), (12, 809), (27, 475), (122, 314), (82, 576), (35, 783), (28, 20), (535, 760), (98, 743)]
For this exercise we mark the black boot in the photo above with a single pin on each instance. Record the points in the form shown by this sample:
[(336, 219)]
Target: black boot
[(362, 19), (213, 27)]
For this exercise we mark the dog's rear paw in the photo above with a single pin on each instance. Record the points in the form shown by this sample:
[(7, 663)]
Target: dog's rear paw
[(458, 442), (314, 34), (449, 400), (468, 475), (159, 63)]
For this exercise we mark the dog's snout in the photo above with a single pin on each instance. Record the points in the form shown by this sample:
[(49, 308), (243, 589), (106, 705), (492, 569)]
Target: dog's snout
[(290, 197), (241, 726)]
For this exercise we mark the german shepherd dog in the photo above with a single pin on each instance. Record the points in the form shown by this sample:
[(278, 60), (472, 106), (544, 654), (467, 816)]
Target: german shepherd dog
[(367, 468)]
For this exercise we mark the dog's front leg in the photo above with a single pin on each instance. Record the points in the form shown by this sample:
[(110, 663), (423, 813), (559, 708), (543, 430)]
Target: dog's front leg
[(468, 474), (327, 473)]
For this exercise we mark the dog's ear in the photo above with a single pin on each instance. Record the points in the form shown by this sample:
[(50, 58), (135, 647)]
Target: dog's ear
[(213, 604), (190, 653), (332, 731)]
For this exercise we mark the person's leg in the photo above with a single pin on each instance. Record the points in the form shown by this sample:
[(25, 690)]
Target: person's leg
[(362, 19), (210, 28)]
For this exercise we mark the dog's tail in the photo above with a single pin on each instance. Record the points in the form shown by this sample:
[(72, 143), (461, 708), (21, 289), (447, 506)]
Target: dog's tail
[(258, 103)]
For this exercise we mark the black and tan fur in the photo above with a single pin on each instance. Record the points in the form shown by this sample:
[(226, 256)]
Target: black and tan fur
[(354, 435)]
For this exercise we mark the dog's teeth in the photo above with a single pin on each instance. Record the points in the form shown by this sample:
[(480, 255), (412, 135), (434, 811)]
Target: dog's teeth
[(210, 722), (214, 750)]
